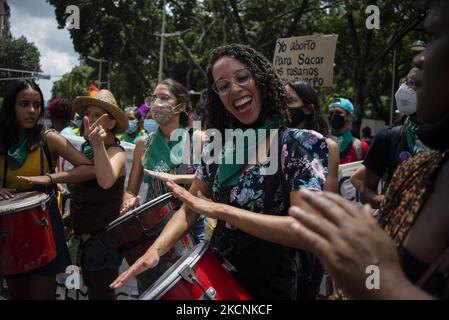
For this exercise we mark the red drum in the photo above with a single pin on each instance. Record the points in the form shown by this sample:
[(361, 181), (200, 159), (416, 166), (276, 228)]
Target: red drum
[(26, 236), (196, 276), (136, 231)]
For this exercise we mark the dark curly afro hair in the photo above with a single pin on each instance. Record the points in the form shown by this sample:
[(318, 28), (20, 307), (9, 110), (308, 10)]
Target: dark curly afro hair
[(274, 96)]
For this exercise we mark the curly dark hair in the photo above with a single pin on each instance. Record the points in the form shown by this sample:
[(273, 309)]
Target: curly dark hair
[(316, 121), (274, 96)]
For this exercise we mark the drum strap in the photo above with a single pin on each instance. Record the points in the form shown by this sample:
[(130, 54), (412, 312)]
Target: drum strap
[(47, 153)]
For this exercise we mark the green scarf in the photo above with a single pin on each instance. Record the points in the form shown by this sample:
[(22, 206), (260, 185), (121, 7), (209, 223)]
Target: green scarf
[(18, 154), (411, 133), (228, 174), (344, 140), (88, 151), (162, 156)]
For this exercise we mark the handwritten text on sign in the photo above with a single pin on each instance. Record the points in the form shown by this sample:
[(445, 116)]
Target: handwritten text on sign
[(309, 59)]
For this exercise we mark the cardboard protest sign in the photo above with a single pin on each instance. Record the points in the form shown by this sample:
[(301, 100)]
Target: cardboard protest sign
[(309, 59)]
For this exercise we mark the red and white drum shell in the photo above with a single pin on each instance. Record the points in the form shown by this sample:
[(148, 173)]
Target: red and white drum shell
[(26, 235), (196, 276), (136, 231)]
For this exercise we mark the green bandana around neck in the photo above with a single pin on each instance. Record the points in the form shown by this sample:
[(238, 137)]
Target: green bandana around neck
[(228, 174), (344, 140), (411, 133), (162, 156), (88, 151), (18, 154)]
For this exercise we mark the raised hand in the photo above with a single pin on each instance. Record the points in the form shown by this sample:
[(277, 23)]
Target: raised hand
[(163, 176), (198, 204), (347, 240), (95, 133)]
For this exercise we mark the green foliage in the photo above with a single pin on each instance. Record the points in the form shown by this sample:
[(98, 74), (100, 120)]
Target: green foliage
[(126, 33), (73, 84), (17, 54)]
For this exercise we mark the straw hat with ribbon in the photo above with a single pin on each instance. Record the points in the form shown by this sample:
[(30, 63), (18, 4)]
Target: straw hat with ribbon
[(105, 100)]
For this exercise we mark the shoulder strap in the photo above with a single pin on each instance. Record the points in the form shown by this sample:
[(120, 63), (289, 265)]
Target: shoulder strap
[(44, 147), (358, 147)]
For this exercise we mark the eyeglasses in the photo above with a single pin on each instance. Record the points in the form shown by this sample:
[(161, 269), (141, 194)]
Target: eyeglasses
[(222, 86)]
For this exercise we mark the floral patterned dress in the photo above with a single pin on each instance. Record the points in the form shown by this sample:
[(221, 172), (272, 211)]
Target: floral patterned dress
[(304, 157), (265, 269)]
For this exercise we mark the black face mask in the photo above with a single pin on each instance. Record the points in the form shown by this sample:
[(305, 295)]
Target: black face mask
[(435, 136), (297, 116), (337, 122)]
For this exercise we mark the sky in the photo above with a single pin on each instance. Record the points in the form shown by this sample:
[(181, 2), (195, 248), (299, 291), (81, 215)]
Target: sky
[(35, 19)]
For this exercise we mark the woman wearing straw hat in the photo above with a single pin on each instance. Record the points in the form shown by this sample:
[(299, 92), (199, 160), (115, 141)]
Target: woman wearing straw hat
[(96, 202)]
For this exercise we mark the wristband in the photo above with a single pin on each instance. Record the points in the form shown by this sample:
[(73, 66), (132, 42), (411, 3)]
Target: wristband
[(51, 179)]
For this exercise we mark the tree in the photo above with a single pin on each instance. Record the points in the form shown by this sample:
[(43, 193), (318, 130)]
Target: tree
[(17, 54), (126, 33), (73, 84)]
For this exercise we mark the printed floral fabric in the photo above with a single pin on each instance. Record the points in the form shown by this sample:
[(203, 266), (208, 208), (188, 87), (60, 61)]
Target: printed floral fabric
[(408, 191), (304, 158)]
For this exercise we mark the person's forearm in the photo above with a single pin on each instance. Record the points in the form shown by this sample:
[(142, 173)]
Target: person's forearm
[(77, 174), (261, 225), (181, 222), (407, 291), (398, 289), (369, 196), (105, 174), (185, 179)]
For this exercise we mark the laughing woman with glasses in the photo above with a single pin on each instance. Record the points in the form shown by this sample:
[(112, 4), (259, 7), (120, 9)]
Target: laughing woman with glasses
[(253, 232)]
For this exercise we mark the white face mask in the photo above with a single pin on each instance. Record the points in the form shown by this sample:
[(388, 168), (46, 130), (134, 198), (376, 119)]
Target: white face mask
[(406, 99)]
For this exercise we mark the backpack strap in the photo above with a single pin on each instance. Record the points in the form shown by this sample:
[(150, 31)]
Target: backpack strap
[(358, 147)]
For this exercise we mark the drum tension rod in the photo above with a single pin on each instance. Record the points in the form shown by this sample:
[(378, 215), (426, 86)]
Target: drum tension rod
[(187, 274)]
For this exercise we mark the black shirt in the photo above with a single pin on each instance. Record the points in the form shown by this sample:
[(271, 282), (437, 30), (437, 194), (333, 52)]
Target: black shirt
[(387, 151)]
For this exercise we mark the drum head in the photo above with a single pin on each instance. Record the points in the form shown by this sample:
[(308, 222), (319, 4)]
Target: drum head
[(135, 211), (23, 201), (172, 275)]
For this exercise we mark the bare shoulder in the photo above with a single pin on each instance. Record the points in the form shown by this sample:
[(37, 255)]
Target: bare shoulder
[(331, 144), (52, 135), (54, 140), (334, 150), (138, 149)]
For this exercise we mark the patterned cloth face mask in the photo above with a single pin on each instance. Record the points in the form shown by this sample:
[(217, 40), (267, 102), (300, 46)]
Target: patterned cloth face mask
[(162, 111)]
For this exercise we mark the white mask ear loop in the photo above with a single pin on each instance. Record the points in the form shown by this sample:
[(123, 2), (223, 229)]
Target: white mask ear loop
[(180, 111)]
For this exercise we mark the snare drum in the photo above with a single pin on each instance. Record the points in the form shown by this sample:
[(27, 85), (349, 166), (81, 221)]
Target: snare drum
[(26, 236), (196, 276), (136, 231)]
